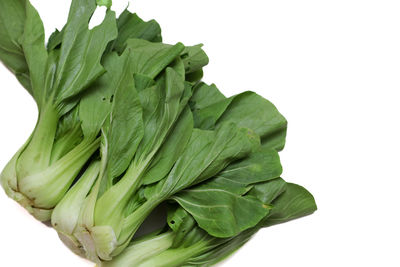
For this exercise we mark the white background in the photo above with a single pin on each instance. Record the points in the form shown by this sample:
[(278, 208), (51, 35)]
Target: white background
[(331, 67)]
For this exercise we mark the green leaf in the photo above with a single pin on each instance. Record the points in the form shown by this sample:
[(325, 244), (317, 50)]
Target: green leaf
[(35, 53), (207, 154), (121, 139), (181, 223), (171, 150), (97, 101), (151, 58), (208, 105), (220, 212), (294, 203), (194, 58), (106, 3), (12, 25), (162, 105), (67, 122), (126, 126), (207, 117), (82, 49), (268, 121), (195, 77), (269, 124), (259, 166), (224, 194), (268, 191), (130, 26), (55, 40), (205, 95)]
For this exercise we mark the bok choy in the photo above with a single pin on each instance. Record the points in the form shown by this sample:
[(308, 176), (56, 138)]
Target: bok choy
[(125, 125)]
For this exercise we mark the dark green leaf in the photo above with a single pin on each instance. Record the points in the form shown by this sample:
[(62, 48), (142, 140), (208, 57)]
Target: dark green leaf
[(294, 203)]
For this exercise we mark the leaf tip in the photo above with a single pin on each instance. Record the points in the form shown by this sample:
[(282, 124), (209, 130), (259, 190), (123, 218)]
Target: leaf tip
[(106, 3)]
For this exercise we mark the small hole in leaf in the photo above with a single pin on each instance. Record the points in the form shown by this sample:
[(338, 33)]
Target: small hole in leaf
[(111, 98), (104, 99), (172, 222)]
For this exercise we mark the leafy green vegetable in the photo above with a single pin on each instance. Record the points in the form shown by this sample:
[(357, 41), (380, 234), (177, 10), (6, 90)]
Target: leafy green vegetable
[(47, 166), (221, 206), (125, 113), (191, 246), (124, 125)]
